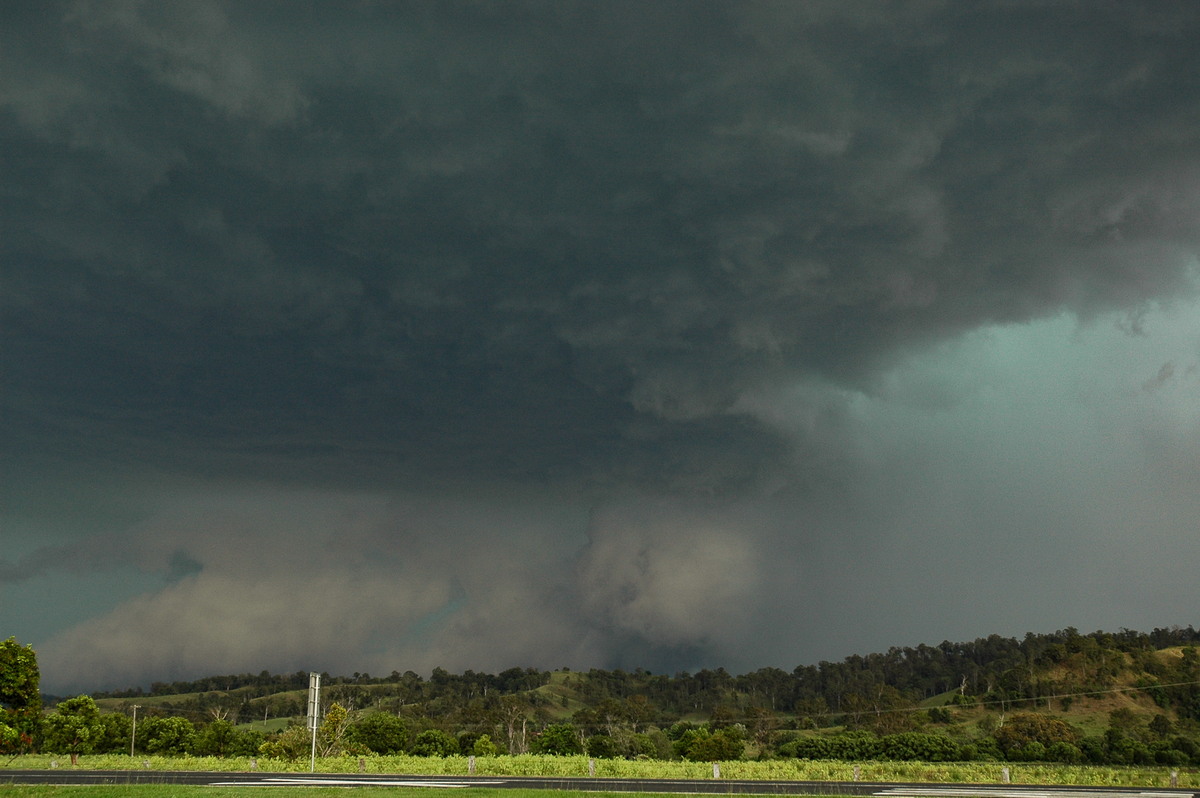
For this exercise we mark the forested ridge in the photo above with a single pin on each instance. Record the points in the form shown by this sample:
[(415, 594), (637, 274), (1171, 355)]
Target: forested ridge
[(997, 670), (1121, 697)]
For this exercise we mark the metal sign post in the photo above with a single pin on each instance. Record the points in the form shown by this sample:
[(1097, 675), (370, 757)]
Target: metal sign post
[(314, 714)]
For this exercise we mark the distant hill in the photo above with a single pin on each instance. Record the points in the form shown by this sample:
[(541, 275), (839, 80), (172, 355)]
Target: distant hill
[(1064, 670)]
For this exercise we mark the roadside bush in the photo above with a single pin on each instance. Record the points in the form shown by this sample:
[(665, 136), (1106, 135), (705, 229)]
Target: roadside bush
[(918, 746), (602, 746), (435, 742), (290, 744), (705, 745), (380, 732), (643, 746), (1032, 751), (483, 746), (1027, 727), (854, 746), (168, 736), (113, 736), (1171, 756), (561, 739), (1064, 752), (222, 738)]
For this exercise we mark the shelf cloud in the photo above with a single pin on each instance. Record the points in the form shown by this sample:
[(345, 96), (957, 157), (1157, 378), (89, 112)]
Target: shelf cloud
[(387, 336)]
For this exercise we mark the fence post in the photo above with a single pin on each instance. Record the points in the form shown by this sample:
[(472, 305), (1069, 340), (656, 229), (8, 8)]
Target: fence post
[(1005, 776), (857, 772), (1174, 779), (471, 765), (716, 770), (592, 768)]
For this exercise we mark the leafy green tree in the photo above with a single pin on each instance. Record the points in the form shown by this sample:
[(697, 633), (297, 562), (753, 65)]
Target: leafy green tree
[(559, 739), (847, 746), (331, 736), (291, 744), (74, 727), (20, 699), (1160, 726), (221, 738), (434, 742), (705, 745), (918, 746), (940, 715), (381, 732), (603, 746), (167, 736), (1064, 752), (115, 735), (1026, 727), (654, 744), (484, 746)]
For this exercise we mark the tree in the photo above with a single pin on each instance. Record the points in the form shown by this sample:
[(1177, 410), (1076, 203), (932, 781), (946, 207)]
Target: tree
[(167, 735), (560, 739), (291, 744), (221, 738), (704, 745), (1027, 727), (513, 718), (115, 734), (435, 742), (20, 700), (381, 732), (332, 733), (74, 727), (484, 746), (602, 746), (761, 722)]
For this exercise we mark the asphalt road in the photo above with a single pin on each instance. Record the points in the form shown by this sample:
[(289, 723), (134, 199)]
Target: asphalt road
[(694, 786)]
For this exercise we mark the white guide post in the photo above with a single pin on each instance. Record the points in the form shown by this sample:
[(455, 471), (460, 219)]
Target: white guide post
[(314, 714)]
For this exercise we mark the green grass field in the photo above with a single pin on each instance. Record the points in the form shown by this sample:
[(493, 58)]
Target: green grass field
[(578, 766), (188, 791)]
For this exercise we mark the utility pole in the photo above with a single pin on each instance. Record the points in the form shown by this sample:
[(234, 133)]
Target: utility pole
[(133, 734)]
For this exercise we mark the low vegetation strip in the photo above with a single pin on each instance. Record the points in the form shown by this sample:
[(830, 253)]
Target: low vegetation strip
[(582, 766), (186, 791)]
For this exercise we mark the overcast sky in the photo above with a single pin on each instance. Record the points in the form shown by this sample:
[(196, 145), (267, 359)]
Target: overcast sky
[(376, 336)]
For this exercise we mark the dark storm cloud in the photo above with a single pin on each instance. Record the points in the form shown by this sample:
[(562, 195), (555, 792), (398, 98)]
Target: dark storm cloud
[(633, 250), (542, 237)]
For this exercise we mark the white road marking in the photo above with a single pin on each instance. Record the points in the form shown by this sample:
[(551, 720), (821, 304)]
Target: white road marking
[(1011, 792), (302, 782)]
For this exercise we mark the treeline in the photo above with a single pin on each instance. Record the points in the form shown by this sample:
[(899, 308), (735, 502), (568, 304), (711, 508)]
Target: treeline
[(77, 726), (1040, 698), (441, 684), (1000, 671)]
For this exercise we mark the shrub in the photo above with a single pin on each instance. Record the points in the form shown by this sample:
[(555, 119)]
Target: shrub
[(1064, 752), (703, 745), (918, 746), (380, 732), (434, 742), (484, 746), (602, 746), (1026, 727), (559, 738), (290, 744)]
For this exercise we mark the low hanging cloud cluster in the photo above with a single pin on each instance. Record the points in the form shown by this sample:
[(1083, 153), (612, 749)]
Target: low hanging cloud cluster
[(583, 335)]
